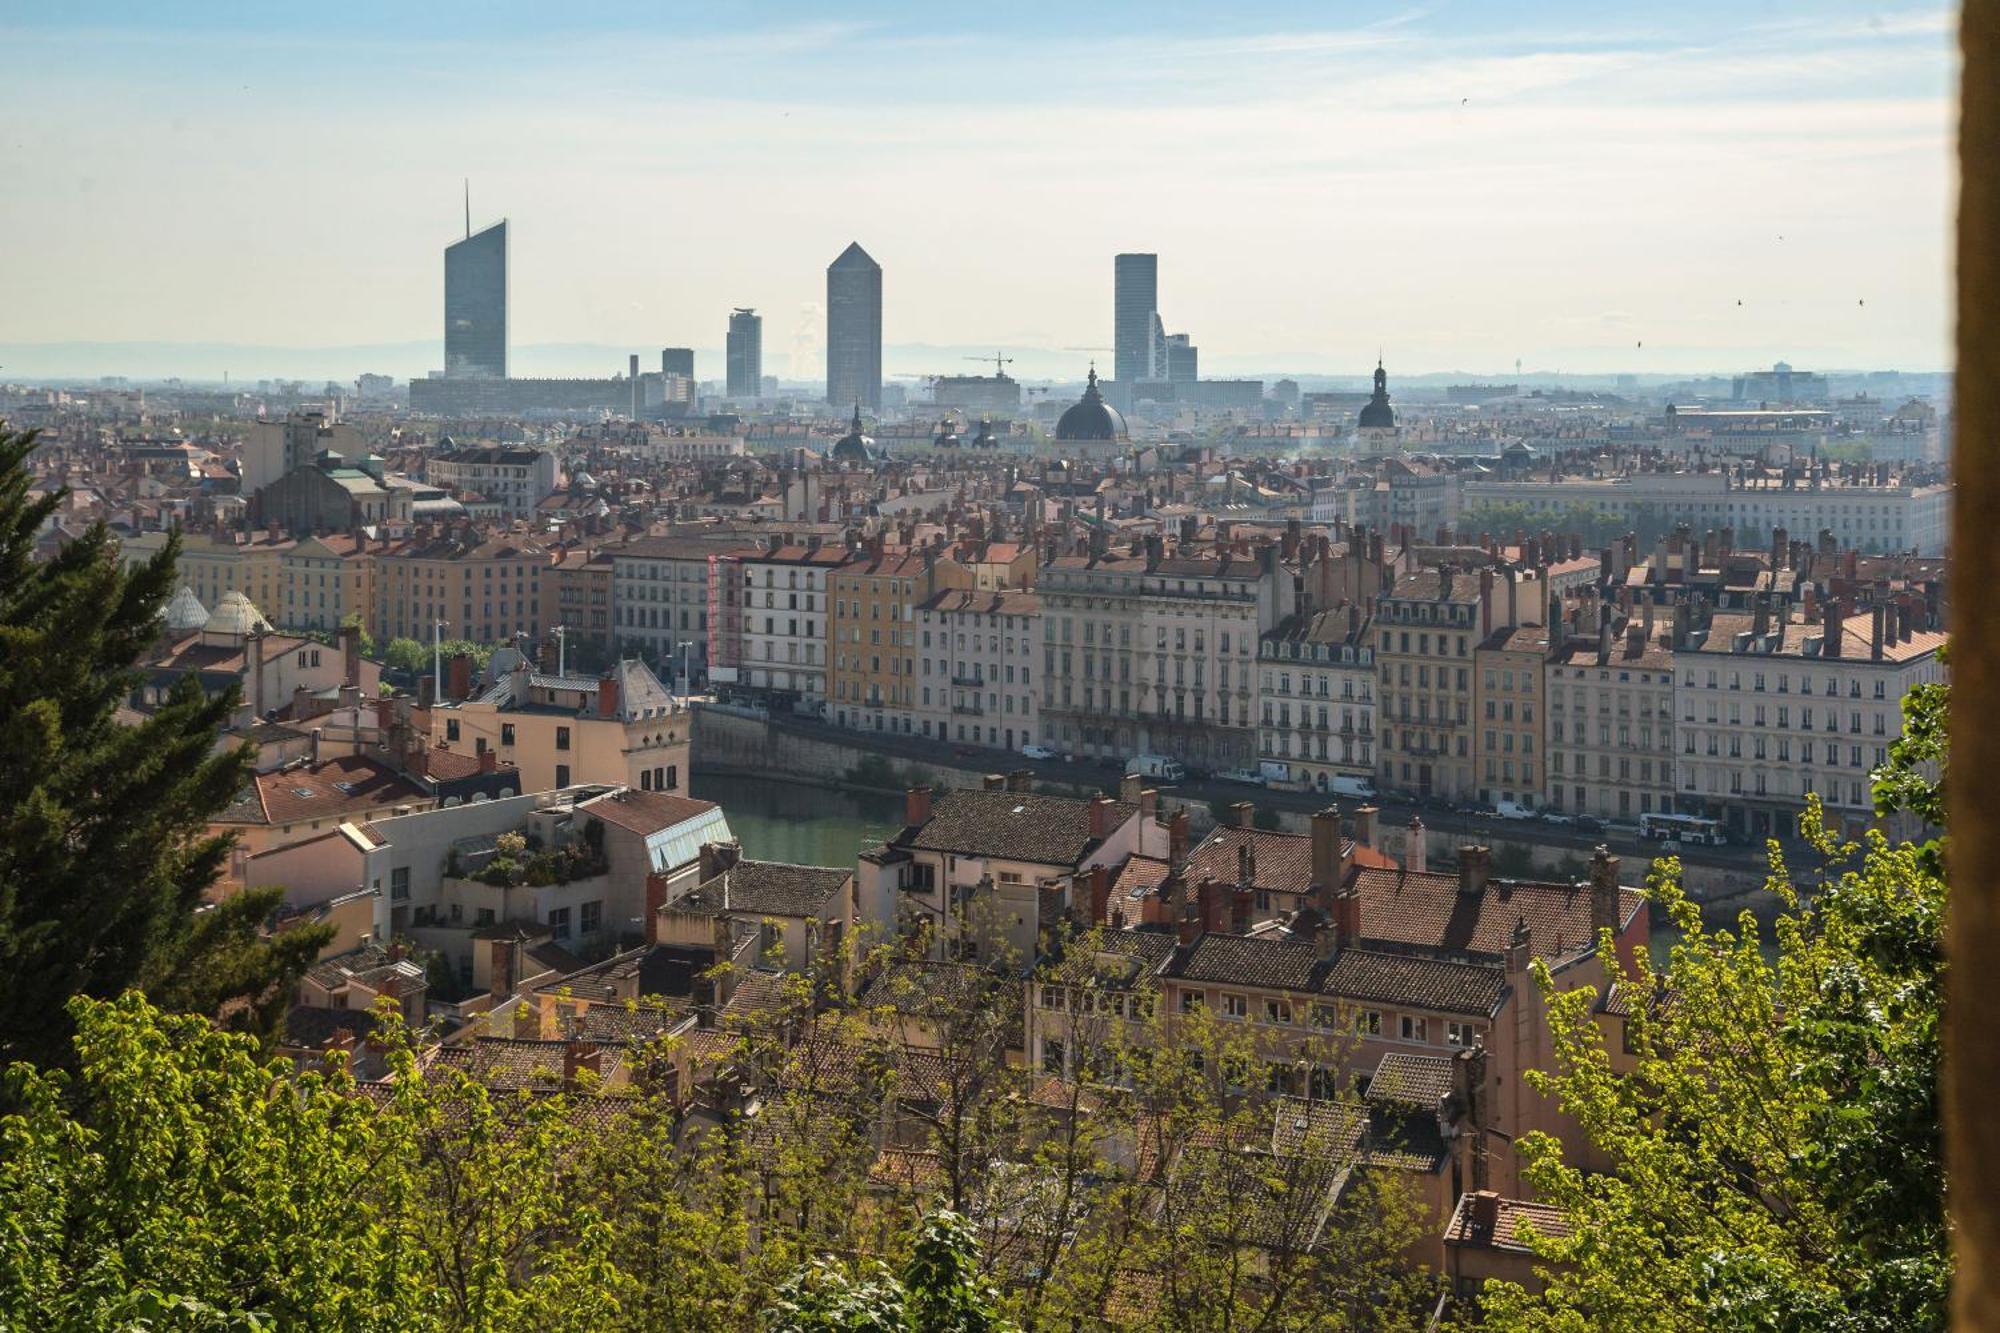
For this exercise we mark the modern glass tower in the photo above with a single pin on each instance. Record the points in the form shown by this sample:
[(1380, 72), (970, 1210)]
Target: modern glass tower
[(475, 304), (1135, 310), (745, 353), (854, 330)]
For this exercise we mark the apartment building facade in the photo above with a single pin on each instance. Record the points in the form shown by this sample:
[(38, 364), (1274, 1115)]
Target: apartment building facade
[(1316, 697), (515, 479), (1610, 720), (1508, 714), (1425, 633), (783, 627), (325, 580), (872, 654), (662, 592), (485, 591), (977, 654), (1146, 654), (1771, 709)]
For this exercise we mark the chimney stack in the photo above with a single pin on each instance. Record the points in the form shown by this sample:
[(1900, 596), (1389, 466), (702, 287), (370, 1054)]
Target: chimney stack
[(1364, 826), (1604, 894), (580, 1057), (1347, 917), (656, 898), (1100, 816), (1129, 788), (1244, 814), (1415, 859), (1177, 839), (1474, 863), (1482, 1214), (1100, 894), (607, 695), (1326, 867), (917, 806), (716, 857)]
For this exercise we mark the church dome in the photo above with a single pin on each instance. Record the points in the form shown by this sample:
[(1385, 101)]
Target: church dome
[(854, 449), (1376, 414), (185, 614), (235, 617), (1091, 418)]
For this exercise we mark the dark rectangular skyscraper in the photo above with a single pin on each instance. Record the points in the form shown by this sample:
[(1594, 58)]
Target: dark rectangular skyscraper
[(854, 330), (745, 353), (677, 361), (1135, 306), (475, 304)]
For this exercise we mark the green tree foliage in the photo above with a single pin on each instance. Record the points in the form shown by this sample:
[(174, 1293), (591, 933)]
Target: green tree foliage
[(177, 1178), (103, 851), (180, 1180), (409, 655), (1774, 1133), (940, 1290)]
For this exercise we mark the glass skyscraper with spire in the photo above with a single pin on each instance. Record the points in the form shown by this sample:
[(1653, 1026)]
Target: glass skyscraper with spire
[(475, 304)]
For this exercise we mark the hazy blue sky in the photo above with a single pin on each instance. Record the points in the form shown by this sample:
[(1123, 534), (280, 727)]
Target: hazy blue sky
[(1458, 184)]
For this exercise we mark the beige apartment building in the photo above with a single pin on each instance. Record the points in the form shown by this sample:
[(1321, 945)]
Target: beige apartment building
[(213, 566), (325, 580), (1508, 714), (1611, 724), (1425, 633), (485, 591), (622, 728), (873, 655)]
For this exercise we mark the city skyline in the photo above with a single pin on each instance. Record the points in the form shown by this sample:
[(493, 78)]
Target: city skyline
[(1436, 181)]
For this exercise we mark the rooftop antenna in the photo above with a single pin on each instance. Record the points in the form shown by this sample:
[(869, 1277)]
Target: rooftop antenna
[(468, 208)]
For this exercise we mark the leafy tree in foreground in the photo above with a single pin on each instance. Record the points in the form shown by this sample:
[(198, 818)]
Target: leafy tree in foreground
[(103, 850), (1776, 1159), (938, 1291)]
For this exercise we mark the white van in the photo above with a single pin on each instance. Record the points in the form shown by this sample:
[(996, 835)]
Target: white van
[(1156, 766), (1356, 788), (1512, 810)]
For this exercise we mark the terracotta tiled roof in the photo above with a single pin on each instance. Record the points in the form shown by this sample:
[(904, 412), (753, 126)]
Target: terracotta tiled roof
[(508, 1063), (1403, 1079), (1244, 960), (645, 812), (1513, 1222), (1138, 877), (766, 888), (1013, 826), (1309, 1125), (1428, 911), (336, 788), (1423, 983)]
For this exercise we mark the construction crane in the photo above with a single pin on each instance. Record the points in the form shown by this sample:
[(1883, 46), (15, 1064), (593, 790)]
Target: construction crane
[(1000, 363)]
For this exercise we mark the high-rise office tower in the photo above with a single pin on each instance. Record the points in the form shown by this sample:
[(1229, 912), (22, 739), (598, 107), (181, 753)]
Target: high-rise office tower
[(745, 353), (677, 361), (1135, 309), (1182, 357), (854, 329), (475, 304)]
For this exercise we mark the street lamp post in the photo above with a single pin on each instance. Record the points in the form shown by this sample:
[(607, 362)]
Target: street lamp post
[(437, 659)]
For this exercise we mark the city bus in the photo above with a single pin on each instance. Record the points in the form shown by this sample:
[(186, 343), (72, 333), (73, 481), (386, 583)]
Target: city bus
[(1682, 828)]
